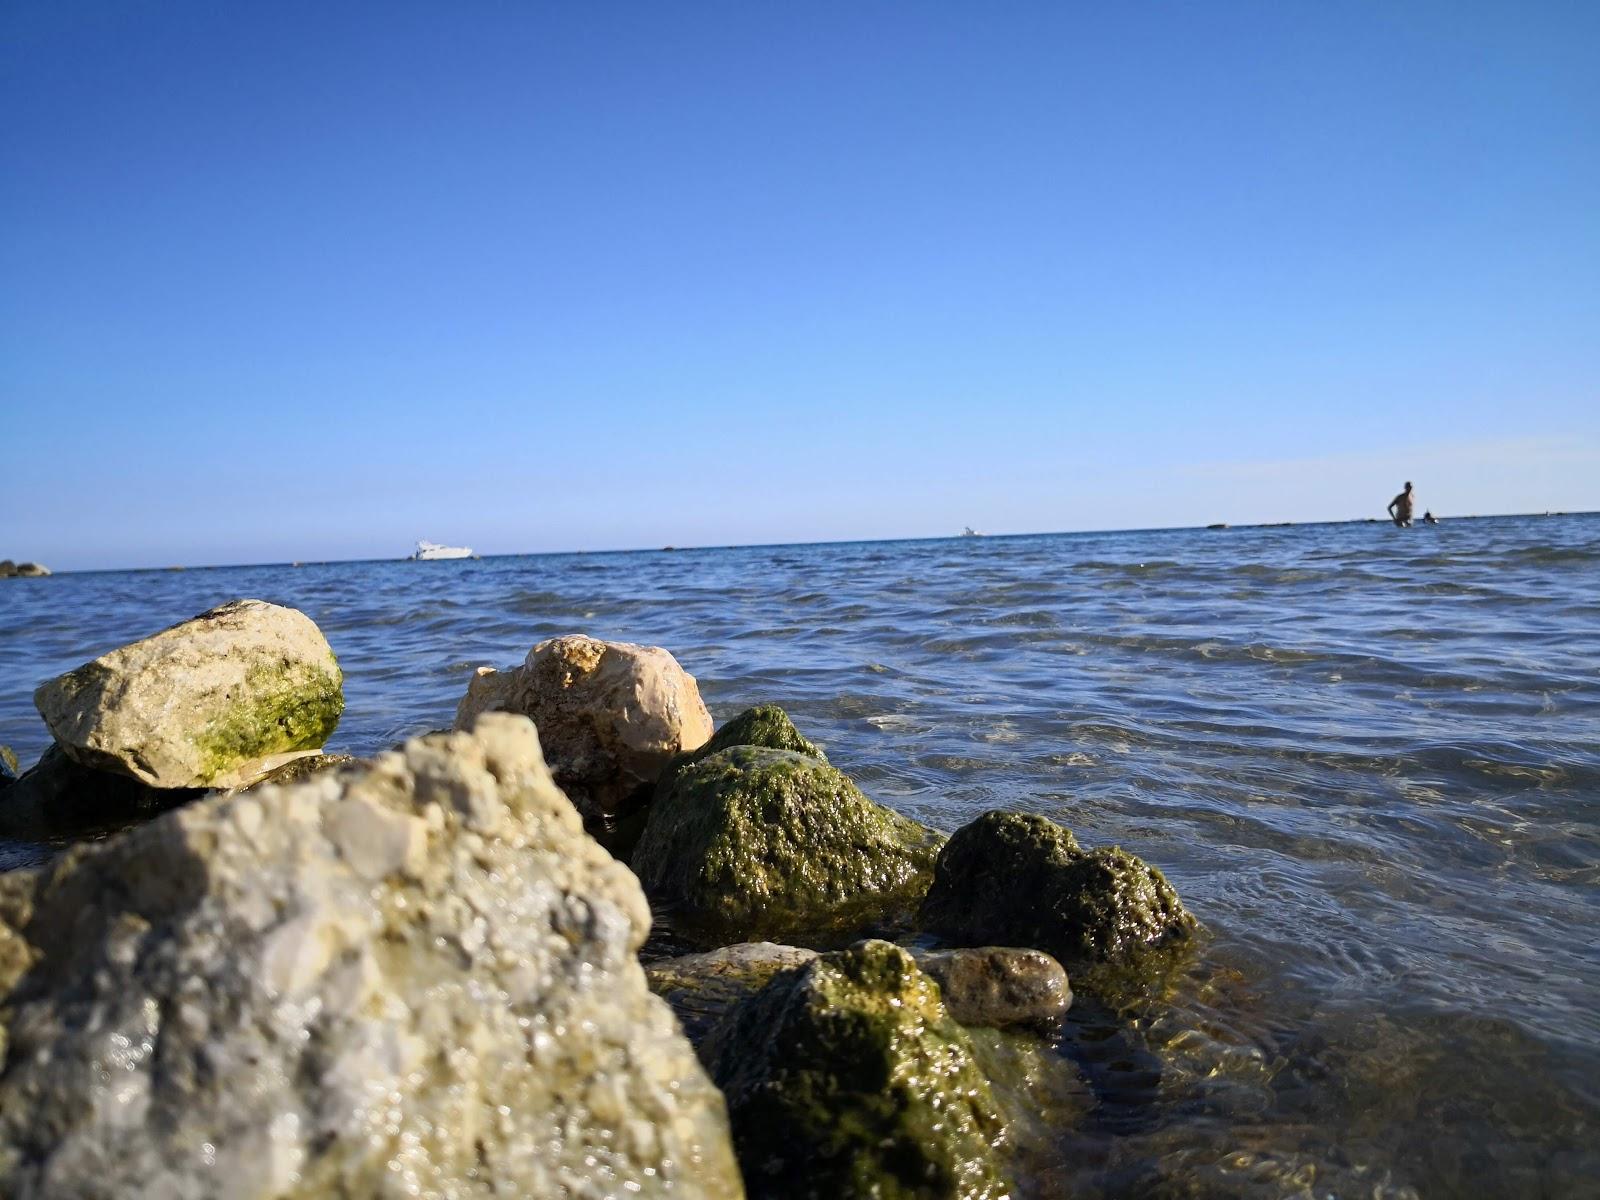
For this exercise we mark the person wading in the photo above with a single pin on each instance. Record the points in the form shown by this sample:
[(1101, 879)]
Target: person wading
[(1400, 507)]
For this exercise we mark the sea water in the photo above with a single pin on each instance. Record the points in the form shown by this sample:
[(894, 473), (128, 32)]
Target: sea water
[(1367, 758)]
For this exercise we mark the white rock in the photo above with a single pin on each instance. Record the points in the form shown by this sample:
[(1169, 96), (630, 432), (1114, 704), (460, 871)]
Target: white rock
[(611, 715), (251, 997), (212, 702)]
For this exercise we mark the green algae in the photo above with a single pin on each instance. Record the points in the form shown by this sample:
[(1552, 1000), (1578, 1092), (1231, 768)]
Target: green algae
[(847, 1077), (8, 766), (291, 706), (764, 725), (1019, 879), (751, 842)]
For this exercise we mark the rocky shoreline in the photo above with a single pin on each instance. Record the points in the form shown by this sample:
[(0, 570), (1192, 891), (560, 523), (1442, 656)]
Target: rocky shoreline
[(294, 974)]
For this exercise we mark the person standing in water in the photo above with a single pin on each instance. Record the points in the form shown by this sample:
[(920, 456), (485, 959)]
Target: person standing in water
[(1400, 508)]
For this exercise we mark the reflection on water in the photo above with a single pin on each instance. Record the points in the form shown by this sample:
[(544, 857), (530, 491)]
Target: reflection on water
[(1369, 759)]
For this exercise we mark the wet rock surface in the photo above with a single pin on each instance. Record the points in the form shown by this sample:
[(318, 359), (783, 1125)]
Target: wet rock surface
[(611, 715), (754, 842), (702, 987), (1000, 986), (1022, 880), (847, 1077), (416, 977), (212, 702), (764, 725)]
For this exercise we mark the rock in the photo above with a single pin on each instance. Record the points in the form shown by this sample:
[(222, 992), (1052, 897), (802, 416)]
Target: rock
[(847, 1077), (764, 725), (998, 986), (300, 768), (1022, 880), (611, 715), (213, 702), (7, 568), (702, 987), (8, 767), (58, 797), (417, 977), (753, 842), (31, 570)]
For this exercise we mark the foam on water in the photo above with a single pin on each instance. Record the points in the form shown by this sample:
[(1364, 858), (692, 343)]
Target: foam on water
[(1369, 759)]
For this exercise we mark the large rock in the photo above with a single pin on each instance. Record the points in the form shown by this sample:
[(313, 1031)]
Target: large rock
[(1022, 880), (847, 1077), (417, 978), (753, 842), (212, 702), (8, 767), (764, 725), (611, 715)]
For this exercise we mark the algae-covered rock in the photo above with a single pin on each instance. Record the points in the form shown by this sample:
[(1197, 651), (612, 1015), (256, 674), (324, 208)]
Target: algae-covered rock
[(847, 1077), (412, 977), (764, 725), (1021, 879), (752, 842), (8, 766), (999, 986), (702, 987), (58, 797), (212, 702), (611, 715)]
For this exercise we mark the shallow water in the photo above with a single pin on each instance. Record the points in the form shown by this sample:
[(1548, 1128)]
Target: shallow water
[(1368, 759)]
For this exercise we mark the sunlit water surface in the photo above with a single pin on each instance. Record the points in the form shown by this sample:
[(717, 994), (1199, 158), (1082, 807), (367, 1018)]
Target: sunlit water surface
[(1368, 760)]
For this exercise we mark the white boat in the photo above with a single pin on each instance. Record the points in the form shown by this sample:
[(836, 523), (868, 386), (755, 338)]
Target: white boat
[(427, 551), (969, 531)]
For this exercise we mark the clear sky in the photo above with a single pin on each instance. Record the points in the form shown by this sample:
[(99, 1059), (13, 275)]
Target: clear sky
[(299, 281)]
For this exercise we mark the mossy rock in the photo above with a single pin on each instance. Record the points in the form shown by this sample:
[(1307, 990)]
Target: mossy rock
[(752, 842), (847, 1077), (8, 766), (764, 725), (1023, 880)]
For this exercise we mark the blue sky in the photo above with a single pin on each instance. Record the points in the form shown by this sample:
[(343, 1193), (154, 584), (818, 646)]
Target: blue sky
[(299, 281)]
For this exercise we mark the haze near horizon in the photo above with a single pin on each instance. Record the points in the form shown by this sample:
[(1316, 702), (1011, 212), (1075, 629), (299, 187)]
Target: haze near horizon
[(297, 282)]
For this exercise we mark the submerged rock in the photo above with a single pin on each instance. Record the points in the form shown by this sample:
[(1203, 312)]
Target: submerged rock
[(1020, 879), (413, 978), (847, 1077), (58, 797), (611, 715), (212, 702), (753, 842), (999, 986)]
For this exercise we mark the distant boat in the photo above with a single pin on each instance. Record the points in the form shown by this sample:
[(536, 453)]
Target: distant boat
[(1218, 525), (969, 531), (427, 551)]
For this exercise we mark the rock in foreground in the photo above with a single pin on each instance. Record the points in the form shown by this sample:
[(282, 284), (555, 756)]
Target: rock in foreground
[(753, 842), (611, 715), (1022, 880), (211, 702), (846, 1077), (417, 978)]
